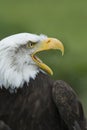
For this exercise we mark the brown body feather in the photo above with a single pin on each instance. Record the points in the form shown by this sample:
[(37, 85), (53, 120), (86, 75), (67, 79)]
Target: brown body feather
[(39, 106)]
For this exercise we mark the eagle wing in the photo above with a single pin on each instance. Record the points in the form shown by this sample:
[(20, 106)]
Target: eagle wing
[(69, 106), (3, 126)]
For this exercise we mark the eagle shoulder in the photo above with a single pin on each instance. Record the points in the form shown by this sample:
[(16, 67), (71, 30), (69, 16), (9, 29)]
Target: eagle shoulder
[(69, 106)]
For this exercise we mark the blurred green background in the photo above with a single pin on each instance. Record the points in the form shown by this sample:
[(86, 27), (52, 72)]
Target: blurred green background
[(63, 19)]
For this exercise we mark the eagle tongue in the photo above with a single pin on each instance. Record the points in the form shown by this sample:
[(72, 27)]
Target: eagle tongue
[(37, 59)]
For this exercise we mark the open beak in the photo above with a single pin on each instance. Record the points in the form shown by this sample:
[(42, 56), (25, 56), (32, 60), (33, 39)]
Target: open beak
[(47, 44)]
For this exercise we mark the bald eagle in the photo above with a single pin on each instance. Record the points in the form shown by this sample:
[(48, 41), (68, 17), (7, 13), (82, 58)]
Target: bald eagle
[(29, 98)]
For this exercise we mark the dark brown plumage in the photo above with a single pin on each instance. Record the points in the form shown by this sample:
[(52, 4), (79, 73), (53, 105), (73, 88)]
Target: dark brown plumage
[(43, 104)]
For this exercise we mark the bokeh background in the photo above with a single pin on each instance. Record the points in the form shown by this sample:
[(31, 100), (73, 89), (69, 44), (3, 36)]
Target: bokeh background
[(63, 19)]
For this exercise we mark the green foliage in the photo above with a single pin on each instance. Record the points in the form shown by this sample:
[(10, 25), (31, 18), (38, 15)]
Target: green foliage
[(63, 19)]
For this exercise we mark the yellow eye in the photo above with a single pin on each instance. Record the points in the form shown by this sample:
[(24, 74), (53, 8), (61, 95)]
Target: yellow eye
[(30, 44)]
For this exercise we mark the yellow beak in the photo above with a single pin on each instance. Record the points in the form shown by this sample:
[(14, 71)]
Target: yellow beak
[(49, 43)]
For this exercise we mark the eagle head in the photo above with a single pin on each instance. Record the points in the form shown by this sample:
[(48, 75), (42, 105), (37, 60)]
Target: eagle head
[(18, 60)]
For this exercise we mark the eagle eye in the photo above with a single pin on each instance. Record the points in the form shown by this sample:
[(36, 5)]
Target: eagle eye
[(31, 44)]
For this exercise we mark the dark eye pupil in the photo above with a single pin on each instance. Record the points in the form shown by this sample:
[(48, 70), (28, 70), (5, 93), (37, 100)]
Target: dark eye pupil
[(31, 44)]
